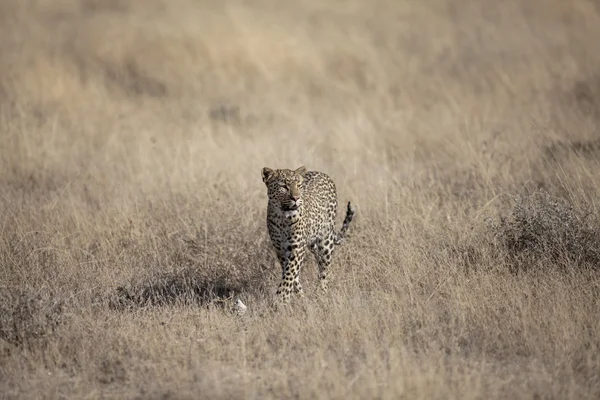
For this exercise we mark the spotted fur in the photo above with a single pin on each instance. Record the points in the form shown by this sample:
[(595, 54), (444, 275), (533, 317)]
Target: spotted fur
[(301, 215)]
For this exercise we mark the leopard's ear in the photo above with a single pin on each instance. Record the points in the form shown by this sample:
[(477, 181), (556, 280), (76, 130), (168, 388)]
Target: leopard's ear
[(267, 174), (301, 171)]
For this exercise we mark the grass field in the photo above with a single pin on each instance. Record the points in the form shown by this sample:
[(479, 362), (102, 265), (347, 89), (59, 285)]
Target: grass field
[(132, 136)]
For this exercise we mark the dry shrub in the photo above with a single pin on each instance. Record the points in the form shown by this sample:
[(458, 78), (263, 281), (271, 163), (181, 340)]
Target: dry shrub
[(544, 231), (577, 149), (29, 318)]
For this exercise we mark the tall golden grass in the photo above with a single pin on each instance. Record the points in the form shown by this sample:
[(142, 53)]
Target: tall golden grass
[(132, 135)]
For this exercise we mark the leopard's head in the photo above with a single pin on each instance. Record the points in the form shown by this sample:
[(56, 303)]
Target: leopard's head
[(285, 187)]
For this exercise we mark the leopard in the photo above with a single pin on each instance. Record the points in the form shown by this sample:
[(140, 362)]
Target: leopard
[(301, 213)]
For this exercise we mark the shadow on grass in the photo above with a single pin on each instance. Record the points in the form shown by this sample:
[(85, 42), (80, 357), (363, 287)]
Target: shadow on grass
[(187, 287), (210, 271)]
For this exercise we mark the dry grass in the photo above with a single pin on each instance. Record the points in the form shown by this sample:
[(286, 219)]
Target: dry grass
[(132, 137)]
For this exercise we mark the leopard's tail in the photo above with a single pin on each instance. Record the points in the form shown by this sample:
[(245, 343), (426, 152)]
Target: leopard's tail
[(341, 235)]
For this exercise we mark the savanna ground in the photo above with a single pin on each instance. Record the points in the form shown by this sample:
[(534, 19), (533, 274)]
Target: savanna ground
[(132, 207)]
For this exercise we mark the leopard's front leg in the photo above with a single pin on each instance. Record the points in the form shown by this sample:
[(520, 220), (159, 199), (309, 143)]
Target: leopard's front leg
[(291, 262), (297, 287)]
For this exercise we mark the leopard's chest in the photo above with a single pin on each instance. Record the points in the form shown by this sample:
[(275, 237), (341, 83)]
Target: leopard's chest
[(286, 227)]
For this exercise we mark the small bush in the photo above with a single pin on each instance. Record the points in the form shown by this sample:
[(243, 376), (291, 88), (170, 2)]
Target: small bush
[(543, 230)]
